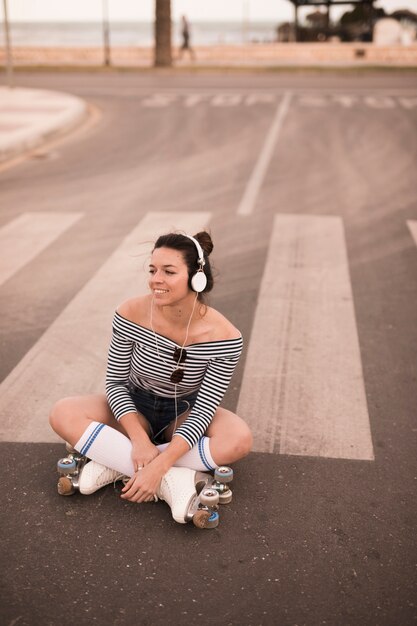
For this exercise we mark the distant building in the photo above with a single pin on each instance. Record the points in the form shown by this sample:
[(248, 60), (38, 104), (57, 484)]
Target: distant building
[(387, 32), (405, 17), (399, 28), (317, 19), (286, 32), (362, 31)]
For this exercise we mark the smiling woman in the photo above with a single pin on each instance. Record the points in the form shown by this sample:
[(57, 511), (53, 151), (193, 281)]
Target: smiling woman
[(194, 251), (170, 362)]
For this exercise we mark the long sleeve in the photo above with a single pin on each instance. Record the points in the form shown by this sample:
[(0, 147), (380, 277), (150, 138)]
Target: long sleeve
[(117, 378), (215, 383)]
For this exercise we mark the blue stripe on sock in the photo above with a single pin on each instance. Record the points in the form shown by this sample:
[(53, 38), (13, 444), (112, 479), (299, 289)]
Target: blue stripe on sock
[(91, 439), (203, 454)]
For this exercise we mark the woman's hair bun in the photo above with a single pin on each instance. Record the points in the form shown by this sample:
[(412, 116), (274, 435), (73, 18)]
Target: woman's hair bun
[(204, 239)]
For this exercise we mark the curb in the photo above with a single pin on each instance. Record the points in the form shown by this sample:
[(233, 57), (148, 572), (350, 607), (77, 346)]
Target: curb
[(38, 128)]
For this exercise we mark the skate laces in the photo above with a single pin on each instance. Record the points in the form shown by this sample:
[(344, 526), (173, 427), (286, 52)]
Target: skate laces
[(108, 475), (101, 474)]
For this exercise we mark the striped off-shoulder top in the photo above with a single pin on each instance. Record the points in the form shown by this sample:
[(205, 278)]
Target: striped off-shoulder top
[(135, 357)]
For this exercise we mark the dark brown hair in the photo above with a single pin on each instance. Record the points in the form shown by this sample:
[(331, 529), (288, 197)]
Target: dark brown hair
[(187, 247)]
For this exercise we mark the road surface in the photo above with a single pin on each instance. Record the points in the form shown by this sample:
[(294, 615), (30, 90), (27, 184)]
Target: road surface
[(308, 185)]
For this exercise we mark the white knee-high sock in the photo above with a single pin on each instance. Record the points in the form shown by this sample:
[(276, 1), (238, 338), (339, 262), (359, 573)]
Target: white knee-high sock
[(198, 458), (108, 447)]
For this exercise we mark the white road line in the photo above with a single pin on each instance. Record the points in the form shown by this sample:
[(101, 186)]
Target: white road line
[(255, 182), (412, 225), (26, 236), (138, 91), (70, 358), (408, 103), (303, 390)]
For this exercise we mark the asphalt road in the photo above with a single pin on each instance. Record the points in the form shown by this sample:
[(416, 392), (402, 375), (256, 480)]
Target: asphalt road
[(309, 539)]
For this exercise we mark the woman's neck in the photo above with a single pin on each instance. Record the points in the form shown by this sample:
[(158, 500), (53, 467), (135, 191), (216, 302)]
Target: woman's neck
[(179, 314)]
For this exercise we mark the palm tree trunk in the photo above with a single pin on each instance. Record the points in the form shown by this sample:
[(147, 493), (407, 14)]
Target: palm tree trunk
[(163, 53)]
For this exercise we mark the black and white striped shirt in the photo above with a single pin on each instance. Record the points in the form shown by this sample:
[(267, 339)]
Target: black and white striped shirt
[(136, 356)]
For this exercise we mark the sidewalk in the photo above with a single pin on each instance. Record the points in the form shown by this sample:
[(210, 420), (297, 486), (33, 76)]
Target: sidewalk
[(28, 117), (253, 56)]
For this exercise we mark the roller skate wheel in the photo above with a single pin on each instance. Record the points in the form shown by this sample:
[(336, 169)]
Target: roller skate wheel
[(66, 466), (223, 474), (65, 486), (226, 497), (213, 520), (209, 497), (205, 519)]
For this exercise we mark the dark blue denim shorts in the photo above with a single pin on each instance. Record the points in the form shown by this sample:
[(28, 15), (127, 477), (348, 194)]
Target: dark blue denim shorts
[(158, 410)]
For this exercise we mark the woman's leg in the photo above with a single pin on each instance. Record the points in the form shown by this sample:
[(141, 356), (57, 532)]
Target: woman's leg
[(228, 438), (70, 417), (87, 423)]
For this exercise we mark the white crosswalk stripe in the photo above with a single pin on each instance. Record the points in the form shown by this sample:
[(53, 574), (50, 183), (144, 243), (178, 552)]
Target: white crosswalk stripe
[(303, 391), (26, 236), (70, 358)]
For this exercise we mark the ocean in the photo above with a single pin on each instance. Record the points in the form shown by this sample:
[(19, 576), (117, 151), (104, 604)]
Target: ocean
[(85, 34)]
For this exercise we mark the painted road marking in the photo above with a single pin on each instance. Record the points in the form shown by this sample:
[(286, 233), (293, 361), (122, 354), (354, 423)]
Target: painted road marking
[(26, 236), (259, 98), (303, 390), (380, 102), (408, 103), (250, 195), (70, 358), (412, 225), (347, 101), (159, 100), (241, 98), (225, 99)]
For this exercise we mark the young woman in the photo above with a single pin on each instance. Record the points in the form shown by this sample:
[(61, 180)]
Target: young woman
[(170, 362)]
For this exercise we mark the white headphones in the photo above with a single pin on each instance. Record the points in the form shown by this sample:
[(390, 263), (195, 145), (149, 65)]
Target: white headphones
[(199, 280)]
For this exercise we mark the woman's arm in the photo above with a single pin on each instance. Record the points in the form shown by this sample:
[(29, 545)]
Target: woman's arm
[(145, 483), (215, 383), (117, 376), (120, 402), (216, 380)]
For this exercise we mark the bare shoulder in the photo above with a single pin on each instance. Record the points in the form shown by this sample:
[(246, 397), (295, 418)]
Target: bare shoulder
[(221, 327), (135, 309)]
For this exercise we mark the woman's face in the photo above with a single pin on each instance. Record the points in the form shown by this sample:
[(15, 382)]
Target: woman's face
[(168, 276)]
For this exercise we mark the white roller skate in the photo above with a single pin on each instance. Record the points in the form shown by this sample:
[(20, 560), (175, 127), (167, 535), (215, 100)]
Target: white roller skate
[(194, 496), (94, 476), (69, 469), (77, 473)]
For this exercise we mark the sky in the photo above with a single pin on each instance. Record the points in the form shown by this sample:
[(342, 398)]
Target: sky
[(143, 10)]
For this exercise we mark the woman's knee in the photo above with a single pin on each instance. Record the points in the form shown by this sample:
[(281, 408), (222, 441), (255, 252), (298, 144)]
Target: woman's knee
[(60, 413), (232, 436), (244, 441)]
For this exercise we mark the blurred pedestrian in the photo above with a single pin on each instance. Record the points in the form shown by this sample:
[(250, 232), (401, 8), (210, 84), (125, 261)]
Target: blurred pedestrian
[(185, 33)]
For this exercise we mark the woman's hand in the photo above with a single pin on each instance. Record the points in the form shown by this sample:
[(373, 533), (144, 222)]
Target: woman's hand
[(143, 453), (144, 484)]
